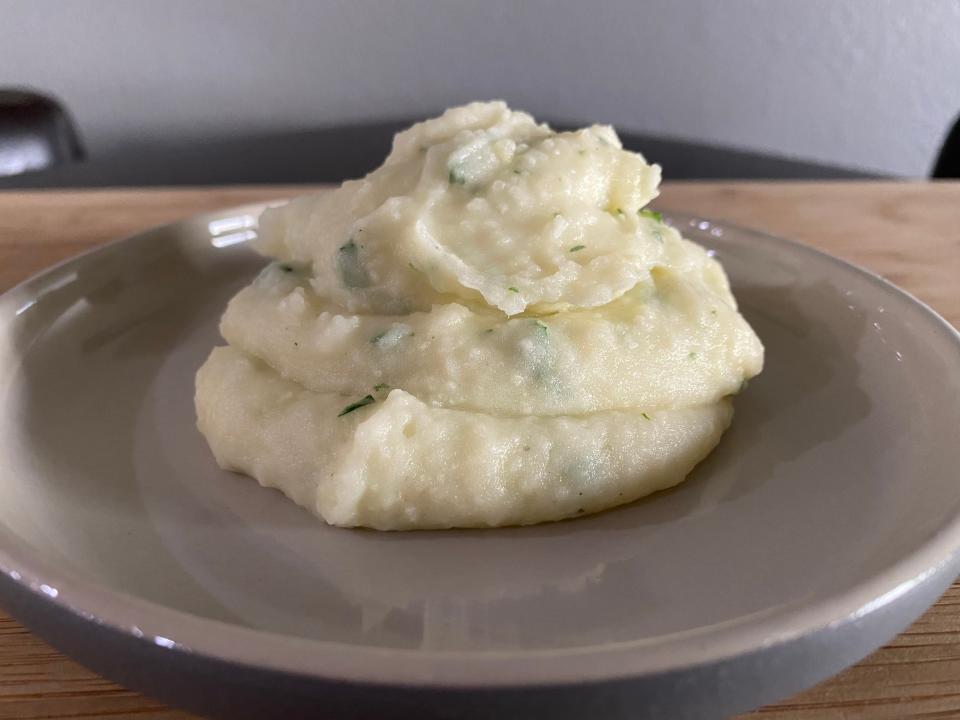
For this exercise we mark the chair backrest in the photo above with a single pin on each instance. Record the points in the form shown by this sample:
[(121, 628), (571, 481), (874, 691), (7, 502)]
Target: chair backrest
[(948, 161), (35, 133)]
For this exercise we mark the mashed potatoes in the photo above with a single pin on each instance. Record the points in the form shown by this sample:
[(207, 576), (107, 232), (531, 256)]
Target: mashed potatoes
[(489, 329)]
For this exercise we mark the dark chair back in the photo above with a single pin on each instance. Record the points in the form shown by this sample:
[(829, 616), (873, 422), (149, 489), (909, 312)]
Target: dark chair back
[(36, 133), (948, 161)]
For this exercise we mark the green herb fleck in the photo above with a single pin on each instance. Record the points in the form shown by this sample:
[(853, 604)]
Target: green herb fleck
[(366, 400), (650, 214), (457, 177), (691, 355), (513, 289), (349, 267), (713, 311), (517, 172), (380, 387), (538, 353), (644, 416), (577, 248), (392, 335)]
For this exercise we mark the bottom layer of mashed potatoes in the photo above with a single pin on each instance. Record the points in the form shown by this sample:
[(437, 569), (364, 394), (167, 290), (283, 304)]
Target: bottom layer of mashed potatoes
[(399, 463)]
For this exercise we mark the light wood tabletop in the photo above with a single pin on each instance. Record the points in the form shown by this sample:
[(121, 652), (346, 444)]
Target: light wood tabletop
[(907, 232)]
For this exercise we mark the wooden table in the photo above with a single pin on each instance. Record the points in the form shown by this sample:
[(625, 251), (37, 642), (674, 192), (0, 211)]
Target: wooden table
[(908, 232)]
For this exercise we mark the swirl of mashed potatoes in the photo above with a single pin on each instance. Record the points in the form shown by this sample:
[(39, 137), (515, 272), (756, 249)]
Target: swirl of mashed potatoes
[(489, 329)]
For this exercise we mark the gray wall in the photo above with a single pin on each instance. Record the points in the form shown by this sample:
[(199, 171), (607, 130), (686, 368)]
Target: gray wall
[(864, 83)]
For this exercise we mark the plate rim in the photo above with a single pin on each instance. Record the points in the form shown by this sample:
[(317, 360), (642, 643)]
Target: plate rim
[(166, 627)]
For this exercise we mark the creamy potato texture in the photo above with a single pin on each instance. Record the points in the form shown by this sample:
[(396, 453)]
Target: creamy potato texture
[(489, 329)]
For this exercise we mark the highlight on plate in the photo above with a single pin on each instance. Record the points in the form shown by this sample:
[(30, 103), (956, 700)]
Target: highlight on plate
[(492, 328)]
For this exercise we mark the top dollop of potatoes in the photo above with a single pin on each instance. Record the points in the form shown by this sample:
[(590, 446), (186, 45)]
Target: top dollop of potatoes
[(484, 205)]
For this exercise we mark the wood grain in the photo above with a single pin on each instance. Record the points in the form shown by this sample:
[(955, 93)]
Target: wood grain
[(907, 232)]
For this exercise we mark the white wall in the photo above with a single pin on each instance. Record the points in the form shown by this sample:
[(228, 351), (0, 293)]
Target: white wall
[(866, 83)]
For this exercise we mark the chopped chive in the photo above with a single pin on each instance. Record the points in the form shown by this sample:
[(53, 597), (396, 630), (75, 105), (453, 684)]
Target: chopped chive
[(577, 248), (650, 214), (457, 178), (392, 335), (350, 267), (691, 355), (513, 289), (366, 400), (644, 415), (380, 387)]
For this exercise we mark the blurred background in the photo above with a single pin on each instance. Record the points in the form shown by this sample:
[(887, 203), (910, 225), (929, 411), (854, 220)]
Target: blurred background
[(199, 91)]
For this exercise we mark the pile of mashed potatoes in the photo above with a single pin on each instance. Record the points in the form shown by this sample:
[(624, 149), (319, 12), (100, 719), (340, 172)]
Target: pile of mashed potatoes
[(489, 329)]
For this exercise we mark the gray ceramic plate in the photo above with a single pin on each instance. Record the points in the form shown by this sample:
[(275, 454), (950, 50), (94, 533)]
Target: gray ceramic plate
[(824, 523)]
